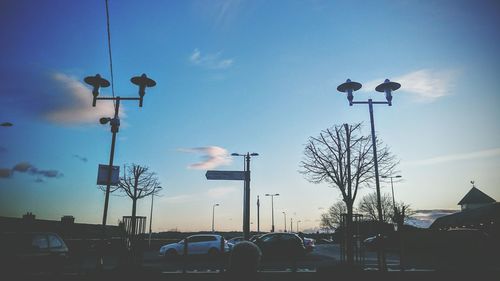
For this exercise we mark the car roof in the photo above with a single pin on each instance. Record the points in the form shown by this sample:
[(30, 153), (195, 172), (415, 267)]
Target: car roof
[(198, 235)]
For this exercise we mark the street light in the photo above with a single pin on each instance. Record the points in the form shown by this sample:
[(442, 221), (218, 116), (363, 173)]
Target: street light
[(284, 214), (151, 214), (98, 82), (6, 124), (272, 209), (213, 215), (392, 188), (298, 226), (246, 193), (387, 87)]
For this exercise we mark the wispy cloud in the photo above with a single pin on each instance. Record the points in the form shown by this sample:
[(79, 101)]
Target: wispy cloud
[(81, 158), (488, 153), (213, 156), (28, 168), (210, 61), (425, 85), (75, 105), (221, 12)]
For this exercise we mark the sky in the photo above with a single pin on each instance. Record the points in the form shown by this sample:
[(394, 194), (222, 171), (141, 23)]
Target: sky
[(242, 76)]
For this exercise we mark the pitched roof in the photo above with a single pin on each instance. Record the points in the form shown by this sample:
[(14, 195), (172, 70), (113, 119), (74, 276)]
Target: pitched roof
[(485, 215), (475, 196)]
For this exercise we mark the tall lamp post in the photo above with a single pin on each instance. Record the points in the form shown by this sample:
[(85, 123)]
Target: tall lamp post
[(284, 214), (213, 216), (291, 224), (246, 196), (272, 209), (258, 214), (97, 82), (387, 87), (298, 226), (151, 214), (392, 188)]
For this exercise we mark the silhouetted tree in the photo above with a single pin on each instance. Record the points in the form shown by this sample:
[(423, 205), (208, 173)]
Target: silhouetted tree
[(390, 214), (343, 158), (332, 218), (138, 182)]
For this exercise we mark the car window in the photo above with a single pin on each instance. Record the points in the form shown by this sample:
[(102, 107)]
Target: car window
[(269, 238), (208, 238), (40, 242), (54, 241), (288, 237)]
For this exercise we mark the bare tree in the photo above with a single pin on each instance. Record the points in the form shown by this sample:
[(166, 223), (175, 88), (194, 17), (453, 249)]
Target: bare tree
[(332, 218), (368, 207), (391, 214), (138, 182), (343, 158)]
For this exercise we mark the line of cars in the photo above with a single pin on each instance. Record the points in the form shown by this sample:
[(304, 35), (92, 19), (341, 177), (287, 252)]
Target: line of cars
[(278, 244)]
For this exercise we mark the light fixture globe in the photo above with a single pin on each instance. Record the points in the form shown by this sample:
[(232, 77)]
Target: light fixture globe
[(387, 87), (349, 87), (96, 82), (142, 81)]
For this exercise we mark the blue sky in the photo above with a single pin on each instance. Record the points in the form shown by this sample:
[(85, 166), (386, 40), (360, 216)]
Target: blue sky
[(238, 76)]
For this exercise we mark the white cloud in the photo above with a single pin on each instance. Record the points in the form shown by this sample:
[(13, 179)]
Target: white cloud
[(76, 103), (487, 153), (213, 156), (425, 85), (210, 61), (221, 13)]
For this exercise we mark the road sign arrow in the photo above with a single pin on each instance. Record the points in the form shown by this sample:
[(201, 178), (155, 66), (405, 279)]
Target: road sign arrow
[(225, 175)]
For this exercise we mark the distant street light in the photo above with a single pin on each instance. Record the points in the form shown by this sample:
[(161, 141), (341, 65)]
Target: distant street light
[(284, 214), (392, 188), (6, 124), (213, 217), (291, 224), (298, 226), (246, 192), (272, 209), (387, 87), (151, 214)]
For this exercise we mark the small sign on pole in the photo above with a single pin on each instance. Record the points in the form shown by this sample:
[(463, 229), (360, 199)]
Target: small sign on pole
[(225, 175), (103, 173)]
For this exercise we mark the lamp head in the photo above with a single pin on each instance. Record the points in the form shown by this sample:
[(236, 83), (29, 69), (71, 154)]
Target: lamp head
[(104, 120), (254, 154), (349, 87), (6, 124), (96, 82), (235, 154), (388, 87), (142, 81)]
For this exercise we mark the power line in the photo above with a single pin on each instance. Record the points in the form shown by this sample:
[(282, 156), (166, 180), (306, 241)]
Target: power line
[(109, 51)]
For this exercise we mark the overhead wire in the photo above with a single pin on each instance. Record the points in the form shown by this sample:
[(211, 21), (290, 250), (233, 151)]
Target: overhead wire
[(109, 52)]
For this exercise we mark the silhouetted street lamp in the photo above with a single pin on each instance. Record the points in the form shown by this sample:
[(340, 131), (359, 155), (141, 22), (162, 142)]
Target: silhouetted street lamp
[(298, 226), (387, 87), (6, 124), (392, 188), (151, 214), (284, 214), (272, 209), (97, 82), (213, 216), (246, 196)]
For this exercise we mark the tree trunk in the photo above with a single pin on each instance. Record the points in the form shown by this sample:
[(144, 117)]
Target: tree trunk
[(349, 234)]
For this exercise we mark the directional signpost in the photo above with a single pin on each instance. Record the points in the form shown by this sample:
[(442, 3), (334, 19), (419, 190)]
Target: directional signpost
[(225, 175), (237, 176)]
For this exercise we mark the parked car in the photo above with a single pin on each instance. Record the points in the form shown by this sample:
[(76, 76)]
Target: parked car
[(309, 244), (199, 244), (233, 241), (281, 245), (375, 242), (33, 251)]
